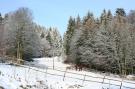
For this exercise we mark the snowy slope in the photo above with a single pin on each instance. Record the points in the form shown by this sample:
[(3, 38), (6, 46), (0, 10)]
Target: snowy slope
[(15, 77)]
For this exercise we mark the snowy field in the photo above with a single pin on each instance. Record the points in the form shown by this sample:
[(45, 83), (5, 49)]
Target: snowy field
[(43, 77)]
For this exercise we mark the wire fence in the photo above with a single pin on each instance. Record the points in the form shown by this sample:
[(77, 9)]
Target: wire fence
[(85, 78)]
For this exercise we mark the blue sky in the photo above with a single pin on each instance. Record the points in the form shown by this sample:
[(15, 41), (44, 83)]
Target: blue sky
[(57, 12)]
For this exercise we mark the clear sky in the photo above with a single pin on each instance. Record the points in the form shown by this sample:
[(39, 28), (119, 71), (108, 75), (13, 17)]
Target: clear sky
[(57, 12)]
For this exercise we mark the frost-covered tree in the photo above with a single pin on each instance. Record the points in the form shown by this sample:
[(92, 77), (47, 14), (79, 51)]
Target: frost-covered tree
[(69, 34), (1, 34), (1, 18), (55, 40), (105, 44), (21, 39)]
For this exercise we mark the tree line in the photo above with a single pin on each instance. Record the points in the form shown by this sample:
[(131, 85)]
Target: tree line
[(22, 38), (106, 43)]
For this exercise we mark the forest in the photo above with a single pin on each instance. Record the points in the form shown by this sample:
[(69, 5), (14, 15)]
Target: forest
[(22, 38), (104, 43)]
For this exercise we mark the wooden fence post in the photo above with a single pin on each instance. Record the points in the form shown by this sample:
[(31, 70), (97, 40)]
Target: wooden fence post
[(46, 72), (83, 79), (103, 81), (29, 73), (109, 83), (64, 75), (14, 72), (121, 84), (25, 75), (29, 68)]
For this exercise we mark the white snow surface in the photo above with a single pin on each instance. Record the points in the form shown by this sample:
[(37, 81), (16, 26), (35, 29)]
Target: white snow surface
[(18, 77)]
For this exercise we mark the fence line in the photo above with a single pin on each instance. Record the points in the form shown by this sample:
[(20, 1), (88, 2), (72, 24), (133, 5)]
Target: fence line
[(93, 76), (84, 78), (8, 57)]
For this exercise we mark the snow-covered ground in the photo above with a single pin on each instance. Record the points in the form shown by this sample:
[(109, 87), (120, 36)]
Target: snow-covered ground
[(48, 62), (16, 77)]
